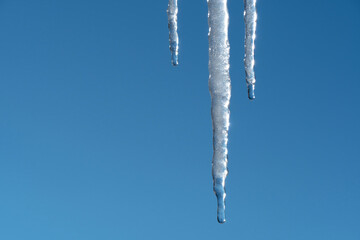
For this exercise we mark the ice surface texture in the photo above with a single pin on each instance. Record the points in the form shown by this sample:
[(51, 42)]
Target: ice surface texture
[(173, 35), (219, 79), (250, 17), (220, 90)]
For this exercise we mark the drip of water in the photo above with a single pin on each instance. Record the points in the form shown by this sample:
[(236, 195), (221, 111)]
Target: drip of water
[(220, 90), (173, 35), (250, 17)]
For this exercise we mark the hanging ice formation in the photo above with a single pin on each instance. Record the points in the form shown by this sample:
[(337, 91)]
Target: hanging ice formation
[(220, 90), (219, 80), (250, 17), (173, 35)]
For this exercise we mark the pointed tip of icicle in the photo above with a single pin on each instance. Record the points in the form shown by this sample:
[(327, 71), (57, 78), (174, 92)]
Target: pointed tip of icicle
[(221, 208), (174, 60), (251, 92), (221, 220), (219, 188)]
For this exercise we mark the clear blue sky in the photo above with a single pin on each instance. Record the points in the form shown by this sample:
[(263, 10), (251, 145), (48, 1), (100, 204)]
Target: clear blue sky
[(101, 138)]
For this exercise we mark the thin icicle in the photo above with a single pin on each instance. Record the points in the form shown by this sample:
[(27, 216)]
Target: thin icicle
[(173, 35), (220, 90), (250, 18)]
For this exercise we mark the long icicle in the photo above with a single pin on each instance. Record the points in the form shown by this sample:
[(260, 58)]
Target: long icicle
[(220, 90), (173, 35), (250, 17)]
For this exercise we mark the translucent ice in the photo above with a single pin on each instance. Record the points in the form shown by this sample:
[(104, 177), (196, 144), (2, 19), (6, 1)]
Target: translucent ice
[(219, 79), (220, 90), (250, 18), (173, 35)]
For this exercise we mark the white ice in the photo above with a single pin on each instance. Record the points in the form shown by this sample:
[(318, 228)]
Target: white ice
[(173, 35), (250, 17), (220, 90)]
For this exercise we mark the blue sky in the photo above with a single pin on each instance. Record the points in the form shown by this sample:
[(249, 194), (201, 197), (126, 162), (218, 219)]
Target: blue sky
[(101, 138)]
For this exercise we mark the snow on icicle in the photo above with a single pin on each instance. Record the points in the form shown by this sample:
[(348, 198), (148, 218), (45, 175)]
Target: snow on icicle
[(173, 35), (220, 90), (250, 17)]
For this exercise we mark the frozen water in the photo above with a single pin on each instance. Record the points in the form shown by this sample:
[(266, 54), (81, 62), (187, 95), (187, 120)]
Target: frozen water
[(250, 17), (219, 79), (173, 35), (220, 90)]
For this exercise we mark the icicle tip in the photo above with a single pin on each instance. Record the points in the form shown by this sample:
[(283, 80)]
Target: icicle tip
[(174, 59), (219, 189), (251, 91)]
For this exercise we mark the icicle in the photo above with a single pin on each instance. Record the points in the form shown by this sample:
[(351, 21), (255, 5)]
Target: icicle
[(173, 35), (250, 18), (220, 90)]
